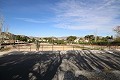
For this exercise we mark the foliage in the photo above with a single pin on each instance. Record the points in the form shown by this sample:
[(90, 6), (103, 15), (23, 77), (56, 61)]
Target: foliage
[(22, 38), (49, 39), (33, 39), (105, 39), (90, 37), (59, 41), (70, 39), (5, 49)]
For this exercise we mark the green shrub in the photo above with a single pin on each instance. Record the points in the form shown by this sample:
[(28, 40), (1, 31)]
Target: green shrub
[(5, 49)]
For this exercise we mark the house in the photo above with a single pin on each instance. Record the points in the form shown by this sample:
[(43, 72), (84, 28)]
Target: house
[(76, 40)]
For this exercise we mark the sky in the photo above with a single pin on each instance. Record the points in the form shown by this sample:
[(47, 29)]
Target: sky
[(43, 18)]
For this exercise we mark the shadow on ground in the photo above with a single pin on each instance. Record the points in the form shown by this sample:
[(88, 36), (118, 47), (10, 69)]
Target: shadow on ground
[(44, 65), (88, 60), (22, 66)]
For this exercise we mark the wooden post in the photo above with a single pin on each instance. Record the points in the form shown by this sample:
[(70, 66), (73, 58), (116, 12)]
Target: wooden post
[(42, 47), (30, 47), (83, 46), (19, 47), (52, 47), (63, 47), (101, 47)]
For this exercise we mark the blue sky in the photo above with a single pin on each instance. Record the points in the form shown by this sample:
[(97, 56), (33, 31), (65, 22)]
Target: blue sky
[(61, 17)]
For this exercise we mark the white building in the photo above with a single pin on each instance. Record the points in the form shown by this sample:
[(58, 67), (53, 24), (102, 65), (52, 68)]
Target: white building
[(76, 40)]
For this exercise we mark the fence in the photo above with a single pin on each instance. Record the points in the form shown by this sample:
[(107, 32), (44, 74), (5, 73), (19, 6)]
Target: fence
[(45, 47), (32, 47)]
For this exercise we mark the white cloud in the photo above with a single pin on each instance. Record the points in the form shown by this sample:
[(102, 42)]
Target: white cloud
[(89, 14), (32, 20)]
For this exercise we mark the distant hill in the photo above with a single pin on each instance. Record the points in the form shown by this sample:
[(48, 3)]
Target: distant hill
[(6, 35), (10, 35), (62, 38)]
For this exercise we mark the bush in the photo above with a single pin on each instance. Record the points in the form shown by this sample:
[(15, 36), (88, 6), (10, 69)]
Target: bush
[(115, 43), (100, 43), (5, 49), (1, 47)]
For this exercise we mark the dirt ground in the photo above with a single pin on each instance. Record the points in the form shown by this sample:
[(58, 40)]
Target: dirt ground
[(60, 65)]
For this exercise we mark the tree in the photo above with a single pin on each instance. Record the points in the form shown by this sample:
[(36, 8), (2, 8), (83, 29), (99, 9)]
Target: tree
[(25, 38), (33, 39), (49, 39), (22, 38), (70, 39), (105, 39), (59, 41), (117, 30), (1, 23), (1, 29), (90, 37)]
